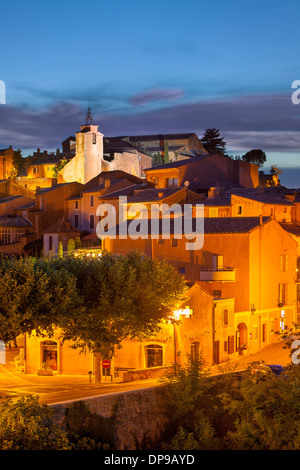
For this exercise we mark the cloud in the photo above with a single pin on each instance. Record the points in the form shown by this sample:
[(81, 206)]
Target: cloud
[(266, 121), (156, 94)]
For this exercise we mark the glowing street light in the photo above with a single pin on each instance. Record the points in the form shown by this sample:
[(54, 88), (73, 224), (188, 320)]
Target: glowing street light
[(186, 312)]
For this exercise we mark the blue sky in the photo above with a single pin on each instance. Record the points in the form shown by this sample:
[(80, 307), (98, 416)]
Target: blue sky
[(151, 67)]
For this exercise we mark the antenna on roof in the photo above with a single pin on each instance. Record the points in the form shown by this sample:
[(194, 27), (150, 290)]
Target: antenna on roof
[(89, 116)]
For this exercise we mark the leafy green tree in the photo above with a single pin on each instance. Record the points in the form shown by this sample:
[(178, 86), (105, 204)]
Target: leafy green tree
[(157, 160), (18, 161), (188, 396), (27, 425), (213, 142), (266, 416), (33, 296), (121, 297), (256, 156)]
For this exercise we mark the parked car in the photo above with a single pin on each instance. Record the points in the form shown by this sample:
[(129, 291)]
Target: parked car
[(263, 370)]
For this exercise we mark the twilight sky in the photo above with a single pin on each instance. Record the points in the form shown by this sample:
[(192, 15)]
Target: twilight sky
[(153, 67)]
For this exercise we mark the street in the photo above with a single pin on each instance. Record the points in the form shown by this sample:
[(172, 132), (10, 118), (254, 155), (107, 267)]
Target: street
[(59, 388)]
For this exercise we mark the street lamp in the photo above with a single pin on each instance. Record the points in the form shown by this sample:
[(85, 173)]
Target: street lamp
[(186, 312)]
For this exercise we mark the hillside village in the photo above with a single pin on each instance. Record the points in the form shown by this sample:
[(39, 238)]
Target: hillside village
[(243, 282)]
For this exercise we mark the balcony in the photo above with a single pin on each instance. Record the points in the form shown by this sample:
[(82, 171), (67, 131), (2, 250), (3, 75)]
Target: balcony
[(217, 275)]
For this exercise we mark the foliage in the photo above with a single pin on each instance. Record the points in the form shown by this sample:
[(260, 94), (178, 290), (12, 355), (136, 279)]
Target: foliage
[(166, 153), (18, 162), (157, 160), (232, 411), (133, 294), (256, 156), (60, 251), (95, 302), (27, 425), (33, 295), (88, 430), (59, 167), (71, 245), (213, 142)]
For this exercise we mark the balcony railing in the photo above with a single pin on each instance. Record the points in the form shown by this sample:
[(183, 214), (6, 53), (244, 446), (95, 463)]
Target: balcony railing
[(221, 275)]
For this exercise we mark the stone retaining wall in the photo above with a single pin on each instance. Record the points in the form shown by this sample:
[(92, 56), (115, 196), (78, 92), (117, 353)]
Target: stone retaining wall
[(139, 416)]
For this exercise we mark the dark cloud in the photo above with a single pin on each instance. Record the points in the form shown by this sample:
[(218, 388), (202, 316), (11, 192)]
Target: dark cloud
[(156, 94), (270, 122)]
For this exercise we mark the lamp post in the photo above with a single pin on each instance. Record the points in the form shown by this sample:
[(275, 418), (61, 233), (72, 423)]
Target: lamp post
[(185, 312)]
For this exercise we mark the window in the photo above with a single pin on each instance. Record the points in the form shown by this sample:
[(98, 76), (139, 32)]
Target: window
[(239, 210), (282, 297), (272, 326), (171, 182), (217, 294), (174, 242), (225, 316), (154, 355), (160, 241), (264, 332), (76, 221), (225, 346), (283, 263), (76, 205), (50, 242), (255, 332), (230, 344), (92, 201), (182, 270), (92, 221), (49, 354), (94, 138)]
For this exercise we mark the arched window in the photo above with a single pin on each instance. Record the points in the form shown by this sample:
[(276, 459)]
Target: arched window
[(49, 354), (154, 355)]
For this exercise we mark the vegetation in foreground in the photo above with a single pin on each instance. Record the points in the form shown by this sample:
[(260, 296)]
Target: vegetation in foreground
[(232, 411), (228, 412)]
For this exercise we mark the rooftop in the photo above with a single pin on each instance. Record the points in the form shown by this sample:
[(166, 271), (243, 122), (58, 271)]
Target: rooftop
[(212, 225), (14, 221), (62, 226)]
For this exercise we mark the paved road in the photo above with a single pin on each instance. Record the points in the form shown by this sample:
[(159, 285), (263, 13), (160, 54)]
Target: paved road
[(58, 389)]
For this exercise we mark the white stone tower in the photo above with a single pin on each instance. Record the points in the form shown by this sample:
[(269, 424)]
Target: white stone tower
[(88, 160)]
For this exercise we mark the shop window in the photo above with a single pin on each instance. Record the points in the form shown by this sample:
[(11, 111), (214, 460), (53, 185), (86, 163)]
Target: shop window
[(49, 354), (154, 355)]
